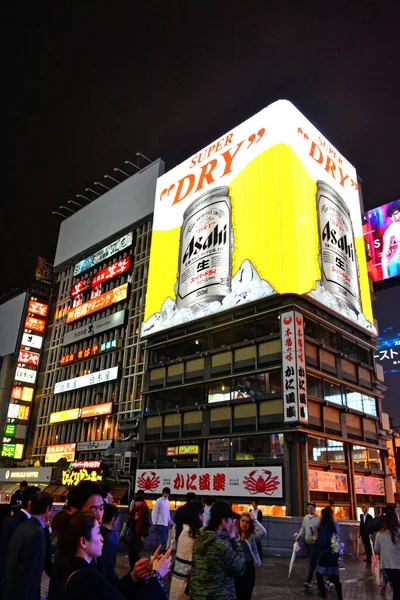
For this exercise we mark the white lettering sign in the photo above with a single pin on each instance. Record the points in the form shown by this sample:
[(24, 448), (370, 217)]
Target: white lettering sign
[(86, 380), (117, 246), (92, 446), (94, 328), (25, 375), (43, 474), (32, 341)]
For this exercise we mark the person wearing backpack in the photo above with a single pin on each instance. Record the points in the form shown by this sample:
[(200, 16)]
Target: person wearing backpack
[(327, 554)]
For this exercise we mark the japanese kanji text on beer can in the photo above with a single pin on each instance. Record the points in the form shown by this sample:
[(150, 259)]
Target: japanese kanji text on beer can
[(205, 253), (337, 248)]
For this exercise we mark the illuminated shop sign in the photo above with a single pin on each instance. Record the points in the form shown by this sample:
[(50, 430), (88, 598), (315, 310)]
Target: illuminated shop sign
[(327, 481), (262, 482), (57, 451), (96, 445), (38, 308), (117, 246), (17, 411), (10, 429), (42, 474), (90, 351), (73, 477), (44, 271), (22, 393), (28, 358), (294, 384), (32, 341), (94, 328), (86, 380), (117, 268), (382, 233), (95, 410), (182, 450), (269, 208), (65, 415), (12, 450), (35, 324), (86, 464), (103, 301), (373, 486), (25, 375)]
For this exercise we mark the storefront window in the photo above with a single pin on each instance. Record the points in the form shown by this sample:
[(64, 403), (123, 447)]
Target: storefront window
[(218, 450), (335, 452), (321, 450), (359, 455), (332, 392), (274, 510), (219, 391), (316, 449)]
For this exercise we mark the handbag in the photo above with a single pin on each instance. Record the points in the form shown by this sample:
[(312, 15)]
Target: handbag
[(126, 533)]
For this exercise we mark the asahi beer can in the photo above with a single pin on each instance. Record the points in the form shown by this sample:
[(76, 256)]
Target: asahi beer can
[(205, 253), (337, 248)]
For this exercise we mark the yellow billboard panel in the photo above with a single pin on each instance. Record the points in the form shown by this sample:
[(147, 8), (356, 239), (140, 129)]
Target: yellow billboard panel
[(269, 208), (65, 415)]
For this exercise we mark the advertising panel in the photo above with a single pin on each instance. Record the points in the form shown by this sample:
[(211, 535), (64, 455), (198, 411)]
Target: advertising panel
[(382, 233), (294, 383), (44, 271), (86, 380), (25, 375), (241, 481), (28, 358), (103, 301), (104, 324), (117, 268), (86, 464), (327, 481), (124, 242), (38, 308), (34, 324), (96, 410), (10, 429), (74, 476), (90, 446), (32, 341), (90, 351), (12, 450), (22, 393), (269, 208), (57, 451), (369, 485), (65, 415), (40, 475)]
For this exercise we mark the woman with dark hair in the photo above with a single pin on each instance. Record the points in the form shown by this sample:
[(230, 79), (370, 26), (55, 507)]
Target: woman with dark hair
[(250, 533), (110, 542), (192, 517), (387, 545), (217, 557), (328, 557), (80, 542), (139, 523)]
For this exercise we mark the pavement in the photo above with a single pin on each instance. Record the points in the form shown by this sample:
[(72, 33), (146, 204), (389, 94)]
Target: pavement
[(359, 580)]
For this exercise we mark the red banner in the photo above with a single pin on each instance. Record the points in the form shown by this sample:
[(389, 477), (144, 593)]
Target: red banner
[(37, 308), (28, 358), (34, 324), (121, 266)]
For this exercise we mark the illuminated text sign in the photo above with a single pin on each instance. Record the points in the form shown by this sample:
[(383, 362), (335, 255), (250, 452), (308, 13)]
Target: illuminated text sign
[(57, 451), (86, 380), (12, 450), (117, 246), (22, 393), (34, 324), (86, 464), (117, 268), (32, 341), (10, 429), (17, 411), (103, 301), (73, 477), (94, 328), (37, 308), (28, 358), (90, 351), (65, 415), (96, 410), (25, 375)]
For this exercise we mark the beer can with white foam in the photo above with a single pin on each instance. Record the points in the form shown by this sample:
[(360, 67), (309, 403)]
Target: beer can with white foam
[(338, 256), (205, 253)]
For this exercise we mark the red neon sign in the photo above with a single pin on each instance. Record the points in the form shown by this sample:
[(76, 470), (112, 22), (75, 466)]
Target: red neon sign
[(87, 308), (34, 324), (28, 358), (37, 308), (121, 266), (96, 410)]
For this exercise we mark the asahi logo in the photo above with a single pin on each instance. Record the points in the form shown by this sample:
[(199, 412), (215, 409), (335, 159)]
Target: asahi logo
[(331, 235), (215, 238)]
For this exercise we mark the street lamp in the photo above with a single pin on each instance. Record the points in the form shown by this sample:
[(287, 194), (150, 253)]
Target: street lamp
[(128, 162), (84, 197), (93, 191), (112, 178), (55, 212), (73, 202), (145, 157), (104, 186), (66, 208), (121, 171)]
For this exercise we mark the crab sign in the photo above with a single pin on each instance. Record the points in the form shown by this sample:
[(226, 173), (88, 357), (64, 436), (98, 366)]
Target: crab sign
[(262, 484), (149, 483)]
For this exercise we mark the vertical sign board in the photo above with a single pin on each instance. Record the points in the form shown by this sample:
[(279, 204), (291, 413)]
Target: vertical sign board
[(293, 368)]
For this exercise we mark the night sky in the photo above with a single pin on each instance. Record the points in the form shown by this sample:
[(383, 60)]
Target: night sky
[(87, 87)]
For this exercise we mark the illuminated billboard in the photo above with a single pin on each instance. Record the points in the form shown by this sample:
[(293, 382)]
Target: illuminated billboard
[(28, 358), (103, 301), (114, 270), (25, 375), (86, 380), (31, 341), (12, 450), (269, 208), (90, 351), (37, 308), (94, 328), (382, 233), (57, 451), (35, 324), (96, 410), (65, 415), (19, 392), (118, 246)]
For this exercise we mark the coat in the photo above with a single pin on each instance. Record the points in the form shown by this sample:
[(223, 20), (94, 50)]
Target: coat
[(182, 566), (364, 525), (9, 528), (109, 554), (217, 560), (252, 541), (25, 562), (324, 550)]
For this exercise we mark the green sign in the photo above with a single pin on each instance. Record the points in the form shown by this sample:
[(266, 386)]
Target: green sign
[(10, 430), (12, 450)]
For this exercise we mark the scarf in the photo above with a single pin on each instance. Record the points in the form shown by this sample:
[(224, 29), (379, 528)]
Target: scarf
[(139, 525)]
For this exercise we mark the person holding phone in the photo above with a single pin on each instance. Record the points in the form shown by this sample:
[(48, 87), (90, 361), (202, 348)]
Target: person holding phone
[(217, 556)]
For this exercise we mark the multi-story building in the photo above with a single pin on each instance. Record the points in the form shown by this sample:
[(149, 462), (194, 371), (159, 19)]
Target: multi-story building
[(260, 373), (92, 369)]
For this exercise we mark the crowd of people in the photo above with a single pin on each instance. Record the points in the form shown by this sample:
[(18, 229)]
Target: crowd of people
[(216, 551)]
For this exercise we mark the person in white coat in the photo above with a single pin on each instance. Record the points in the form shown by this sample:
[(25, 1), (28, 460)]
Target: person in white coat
[(250, 533)]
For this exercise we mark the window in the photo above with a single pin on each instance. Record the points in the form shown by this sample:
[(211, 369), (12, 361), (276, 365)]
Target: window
[(328, 337), (219, 391), (316, 449), (256, 447), (335, 452), (314, 386), (245, 387), (361, 402), (332, 392), (184, 452), (267, 326), (311, 329), (366, 458), (150, 453), (270, 383), (369, 405), (218, 450), (321, 450)]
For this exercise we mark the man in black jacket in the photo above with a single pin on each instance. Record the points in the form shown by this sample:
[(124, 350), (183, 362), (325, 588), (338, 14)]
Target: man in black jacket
[(364, 535), (16, 498), (20, 516), (27, 551)]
